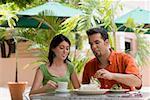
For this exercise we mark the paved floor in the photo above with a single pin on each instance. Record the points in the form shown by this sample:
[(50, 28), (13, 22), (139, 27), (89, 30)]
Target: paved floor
[(5, 95)]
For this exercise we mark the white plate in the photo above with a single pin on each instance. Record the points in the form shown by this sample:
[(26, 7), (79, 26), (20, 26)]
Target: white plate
[(118, 94), (119, 91), (85, 92), (63, 91)]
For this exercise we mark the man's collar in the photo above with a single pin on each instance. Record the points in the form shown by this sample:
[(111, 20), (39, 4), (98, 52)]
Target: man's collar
[(112, 53)]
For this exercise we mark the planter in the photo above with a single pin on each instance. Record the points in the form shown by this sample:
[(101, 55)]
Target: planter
[(16, 90)]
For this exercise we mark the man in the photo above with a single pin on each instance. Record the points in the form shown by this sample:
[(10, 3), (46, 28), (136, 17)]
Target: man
[(108, 66)]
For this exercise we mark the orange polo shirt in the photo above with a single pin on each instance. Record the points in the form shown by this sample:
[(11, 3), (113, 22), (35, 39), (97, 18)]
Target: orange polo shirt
[(118, 63)]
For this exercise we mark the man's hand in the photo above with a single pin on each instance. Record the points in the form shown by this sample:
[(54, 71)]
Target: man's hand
[(103, 73)]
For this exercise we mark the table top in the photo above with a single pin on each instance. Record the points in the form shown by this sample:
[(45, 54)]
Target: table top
[(106, 96)]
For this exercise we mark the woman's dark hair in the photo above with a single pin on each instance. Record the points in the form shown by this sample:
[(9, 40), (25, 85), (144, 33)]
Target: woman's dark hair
[(99, 30), (54, 43)]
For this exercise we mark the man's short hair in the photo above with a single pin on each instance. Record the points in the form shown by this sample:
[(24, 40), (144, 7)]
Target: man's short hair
[(99, 30)]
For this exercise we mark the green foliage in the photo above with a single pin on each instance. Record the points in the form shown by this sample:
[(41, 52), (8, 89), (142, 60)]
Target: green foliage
[(111, 40), (23, 3), (70, 24), (41, 38), (143, 47), (79, 61), (96, 13), (130, 23), (2, 35), (68, 27), (7, 13), (143, 52)]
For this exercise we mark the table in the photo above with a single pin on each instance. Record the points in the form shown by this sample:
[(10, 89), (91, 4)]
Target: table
[(107, 96)]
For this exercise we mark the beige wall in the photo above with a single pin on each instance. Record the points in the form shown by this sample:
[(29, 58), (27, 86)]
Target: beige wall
[(7, 70), (145, 75)]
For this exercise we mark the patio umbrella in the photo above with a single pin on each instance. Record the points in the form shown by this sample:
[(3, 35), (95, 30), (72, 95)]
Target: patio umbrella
[(27, 20), (139, 15)]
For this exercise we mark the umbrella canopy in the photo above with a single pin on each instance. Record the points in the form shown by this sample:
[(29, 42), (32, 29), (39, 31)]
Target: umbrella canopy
[(58, 10), (27, 20), (139, 15)]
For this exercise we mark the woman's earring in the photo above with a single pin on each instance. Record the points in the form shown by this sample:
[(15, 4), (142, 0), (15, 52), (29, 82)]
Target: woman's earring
[(54, 55)]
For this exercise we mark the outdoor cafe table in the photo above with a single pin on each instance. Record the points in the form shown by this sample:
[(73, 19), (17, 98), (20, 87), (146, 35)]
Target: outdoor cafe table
[(107, 96)]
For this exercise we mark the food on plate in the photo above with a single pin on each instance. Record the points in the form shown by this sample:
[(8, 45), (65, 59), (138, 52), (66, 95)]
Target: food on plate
[(116, 87), (89, 87), (94, 81), (94, 85)]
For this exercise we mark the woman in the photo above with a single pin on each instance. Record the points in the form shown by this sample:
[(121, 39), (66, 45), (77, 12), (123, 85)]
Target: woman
[(58, 69)]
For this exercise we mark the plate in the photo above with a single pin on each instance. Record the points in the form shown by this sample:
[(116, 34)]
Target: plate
[(62, 91), (119, 91), (118, 94), (90, 92)]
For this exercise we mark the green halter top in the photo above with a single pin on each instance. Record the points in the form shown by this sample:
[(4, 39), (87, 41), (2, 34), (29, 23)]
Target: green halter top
[(48, 76)]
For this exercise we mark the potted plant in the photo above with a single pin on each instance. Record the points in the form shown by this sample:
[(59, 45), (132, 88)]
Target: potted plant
[(16, 88)]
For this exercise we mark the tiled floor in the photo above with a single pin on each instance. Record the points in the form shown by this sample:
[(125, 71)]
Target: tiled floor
[(5, 95)]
